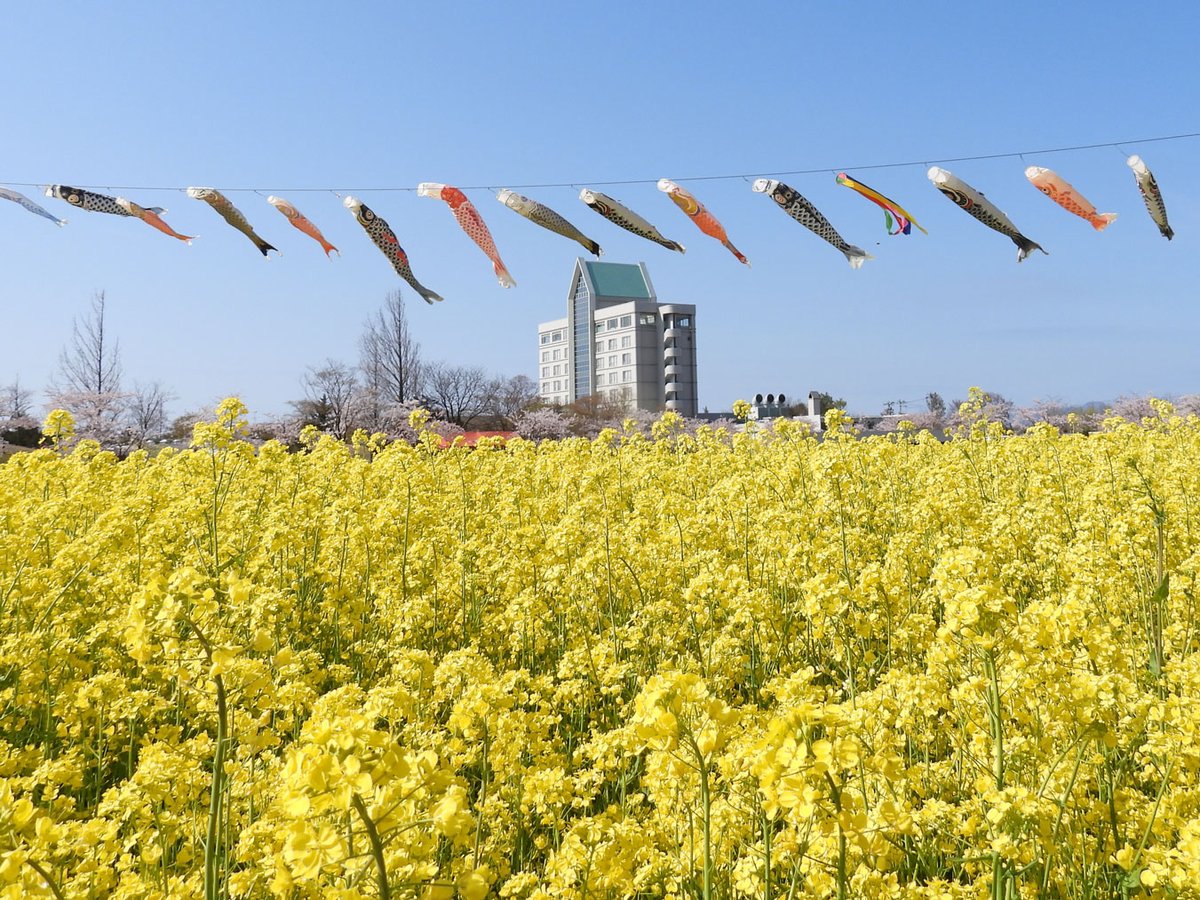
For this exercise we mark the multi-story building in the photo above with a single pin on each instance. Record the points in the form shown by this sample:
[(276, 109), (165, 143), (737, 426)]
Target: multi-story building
[(618, 343)]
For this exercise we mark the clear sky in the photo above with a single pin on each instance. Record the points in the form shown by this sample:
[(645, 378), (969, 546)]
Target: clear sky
[(372, 96)]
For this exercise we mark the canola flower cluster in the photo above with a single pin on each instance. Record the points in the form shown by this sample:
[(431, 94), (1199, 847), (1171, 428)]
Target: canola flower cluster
[(761, 665)]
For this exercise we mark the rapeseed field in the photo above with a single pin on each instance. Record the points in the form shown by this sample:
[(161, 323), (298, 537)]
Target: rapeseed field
[(676, 665)]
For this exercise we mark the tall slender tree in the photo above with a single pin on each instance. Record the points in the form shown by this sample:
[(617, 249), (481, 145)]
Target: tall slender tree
[(89, 377), (389, 355)]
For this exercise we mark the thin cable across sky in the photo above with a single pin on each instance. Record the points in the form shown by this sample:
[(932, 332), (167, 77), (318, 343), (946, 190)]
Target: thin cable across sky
[(816, 170)]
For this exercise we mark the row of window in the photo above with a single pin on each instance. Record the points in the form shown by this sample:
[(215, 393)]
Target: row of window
[(558, 370), (624, 322), (671, 321), (626, 360), (553, 385), (611, 343)]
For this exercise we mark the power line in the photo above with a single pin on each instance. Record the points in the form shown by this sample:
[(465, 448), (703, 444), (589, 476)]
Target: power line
[(820, 170)]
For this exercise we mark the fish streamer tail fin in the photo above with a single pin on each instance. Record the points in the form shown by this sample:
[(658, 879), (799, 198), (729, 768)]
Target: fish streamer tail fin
[(1166, 231), (594, 248), (506, 280), (736, 252), (1103, 220), (856, 256), (263, 247), (1026, 247), (675, 245)]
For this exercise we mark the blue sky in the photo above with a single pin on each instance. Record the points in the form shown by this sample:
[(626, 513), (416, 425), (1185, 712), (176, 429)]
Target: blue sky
[(367, 96)]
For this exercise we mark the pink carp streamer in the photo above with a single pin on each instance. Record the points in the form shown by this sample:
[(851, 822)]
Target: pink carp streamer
[(471, 222)]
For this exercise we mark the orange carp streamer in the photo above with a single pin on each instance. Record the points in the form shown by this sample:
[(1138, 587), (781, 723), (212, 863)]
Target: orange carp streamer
[(303, 224), (695, 211), (1065, 195)]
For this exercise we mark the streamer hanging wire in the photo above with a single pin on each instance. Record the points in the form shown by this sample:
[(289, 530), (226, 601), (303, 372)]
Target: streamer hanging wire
[(818, 170)]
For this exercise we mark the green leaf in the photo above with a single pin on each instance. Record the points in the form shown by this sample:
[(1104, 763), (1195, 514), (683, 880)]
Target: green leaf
[(1164, 587), (1133, 879)]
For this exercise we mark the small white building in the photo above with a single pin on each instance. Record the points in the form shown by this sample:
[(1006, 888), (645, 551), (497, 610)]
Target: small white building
[(772, 407), (619, 344)]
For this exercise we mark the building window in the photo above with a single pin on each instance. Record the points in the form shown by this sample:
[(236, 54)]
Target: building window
[(626, 340), (626, 375), (612, 362), (557, 354), (626, 321), (645, 318), (558, 370), (611, 324), (599, 362), (545, 387), (599, 346), (558, 336), (545, 371), (545, 356), (626, 359), (599, 326), (612, 343), (558, 385), (683, 322)]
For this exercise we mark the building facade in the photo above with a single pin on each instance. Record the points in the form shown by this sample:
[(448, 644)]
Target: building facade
[(619, 344)]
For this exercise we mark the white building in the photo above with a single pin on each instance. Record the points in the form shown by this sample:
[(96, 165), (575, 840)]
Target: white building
[(619, 343)]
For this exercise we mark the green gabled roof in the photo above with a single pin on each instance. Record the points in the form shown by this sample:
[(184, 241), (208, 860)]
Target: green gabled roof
[(618, 280)]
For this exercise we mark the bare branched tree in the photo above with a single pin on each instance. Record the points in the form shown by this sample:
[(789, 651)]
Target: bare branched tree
[(16, 402), (330, 398), (147, 411), (459, 394), (510, 397), (92, 361), (89, 382), (389, 359)]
